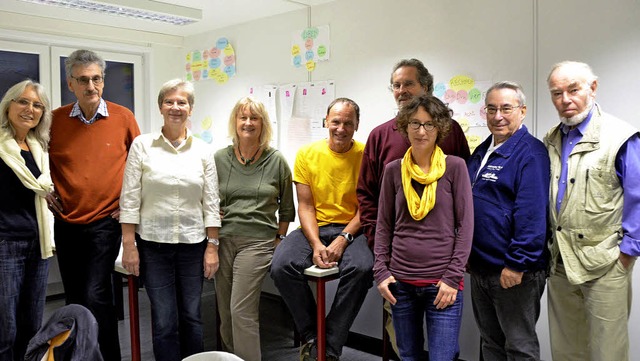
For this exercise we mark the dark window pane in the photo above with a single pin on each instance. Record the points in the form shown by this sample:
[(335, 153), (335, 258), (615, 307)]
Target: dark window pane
[(16, 67)]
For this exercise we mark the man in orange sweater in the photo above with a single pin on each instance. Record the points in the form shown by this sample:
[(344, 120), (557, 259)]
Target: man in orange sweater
[(89, 143)]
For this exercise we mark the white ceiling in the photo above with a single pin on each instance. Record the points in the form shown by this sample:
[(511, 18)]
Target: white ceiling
[(215, 14)]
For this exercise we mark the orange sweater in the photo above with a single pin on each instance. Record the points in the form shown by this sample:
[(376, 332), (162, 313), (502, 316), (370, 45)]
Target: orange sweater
[(87, 161)]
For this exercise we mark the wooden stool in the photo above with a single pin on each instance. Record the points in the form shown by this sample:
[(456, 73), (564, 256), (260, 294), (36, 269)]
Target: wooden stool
[(321, 276), (134, 318)]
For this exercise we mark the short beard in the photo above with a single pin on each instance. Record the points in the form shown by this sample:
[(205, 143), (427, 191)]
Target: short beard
[(578, 118)]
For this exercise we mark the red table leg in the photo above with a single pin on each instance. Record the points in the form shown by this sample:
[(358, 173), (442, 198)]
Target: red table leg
[(320, 319), (134, 318)]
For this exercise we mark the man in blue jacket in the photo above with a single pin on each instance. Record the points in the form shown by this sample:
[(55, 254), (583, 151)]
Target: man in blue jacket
[(510, 178)]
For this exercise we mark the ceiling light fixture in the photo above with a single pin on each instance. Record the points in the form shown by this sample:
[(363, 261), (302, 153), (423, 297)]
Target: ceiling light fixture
[(138, 9)]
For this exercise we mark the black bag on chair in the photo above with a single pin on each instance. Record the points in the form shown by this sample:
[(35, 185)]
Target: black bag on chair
[(70, 334)]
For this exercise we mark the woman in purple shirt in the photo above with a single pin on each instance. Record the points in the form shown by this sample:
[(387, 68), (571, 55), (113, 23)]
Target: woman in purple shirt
[(423, 236)]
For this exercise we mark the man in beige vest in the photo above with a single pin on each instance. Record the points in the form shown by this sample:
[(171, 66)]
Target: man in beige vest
[(594, 221)]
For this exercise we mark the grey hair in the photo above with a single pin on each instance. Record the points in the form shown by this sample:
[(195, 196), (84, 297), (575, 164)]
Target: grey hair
[(41, 131), (508, 85), (424, 77), (175, 84), (84, 58), (582, 68)]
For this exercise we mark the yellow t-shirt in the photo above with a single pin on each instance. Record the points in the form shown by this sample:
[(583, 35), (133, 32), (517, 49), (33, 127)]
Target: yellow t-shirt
[(332, 178)]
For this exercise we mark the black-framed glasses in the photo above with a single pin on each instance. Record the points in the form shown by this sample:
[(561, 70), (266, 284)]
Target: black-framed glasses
[(84, 80), (415, 125), (26, 103), (505, 110)]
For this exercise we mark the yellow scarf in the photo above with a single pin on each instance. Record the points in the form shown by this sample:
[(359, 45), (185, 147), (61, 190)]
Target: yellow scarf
[(419, 207)]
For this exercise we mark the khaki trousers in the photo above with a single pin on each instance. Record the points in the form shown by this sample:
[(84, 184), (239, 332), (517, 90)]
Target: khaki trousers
[(589, 321), (389, 327), (244, 263)]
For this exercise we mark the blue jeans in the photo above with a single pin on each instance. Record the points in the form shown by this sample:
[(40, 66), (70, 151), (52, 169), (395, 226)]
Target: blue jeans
[(443, 326), (293, 256), (86, 255), (23, 285), (172, 275), (507, 317)]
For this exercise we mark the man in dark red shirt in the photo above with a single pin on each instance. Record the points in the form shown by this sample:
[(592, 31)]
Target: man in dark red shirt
[(409, 78)]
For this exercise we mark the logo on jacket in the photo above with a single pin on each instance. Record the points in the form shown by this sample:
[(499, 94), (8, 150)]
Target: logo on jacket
[(488, 176)]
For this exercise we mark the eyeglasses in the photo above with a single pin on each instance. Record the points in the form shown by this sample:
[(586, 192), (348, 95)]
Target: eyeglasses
[(505, 110), (398, 86), (415, 125), (84, 80), (26, 103)]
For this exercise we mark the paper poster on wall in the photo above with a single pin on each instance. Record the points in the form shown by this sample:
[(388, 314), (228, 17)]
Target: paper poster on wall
[(310, 46), (465, 97), (202, 129), (307, 121), (286, 96), (217, 63), (311, 102), (267, 95)]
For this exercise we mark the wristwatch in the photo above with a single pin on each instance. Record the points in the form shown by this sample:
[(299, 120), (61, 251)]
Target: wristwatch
[(213, 241), (348, 236), (280, 236)]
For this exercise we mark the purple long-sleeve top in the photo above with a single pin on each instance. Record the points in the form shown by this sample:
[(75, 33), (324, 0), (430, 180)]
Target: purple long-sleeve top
[(385, 144), (434, 248)]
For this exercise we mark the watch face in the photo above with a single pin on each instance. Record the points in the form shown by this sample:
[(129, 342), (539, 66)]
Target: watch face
[(347, 236)]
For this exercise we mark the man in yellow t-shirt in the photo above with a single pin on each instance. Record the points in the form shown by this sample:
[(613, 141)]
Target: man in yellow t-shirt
[(326, 174)]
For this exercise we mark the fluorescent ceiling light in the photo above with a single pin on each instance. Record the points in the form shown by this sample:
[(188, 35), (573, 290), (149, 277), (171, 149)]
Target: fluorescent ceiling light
[(138, 9)]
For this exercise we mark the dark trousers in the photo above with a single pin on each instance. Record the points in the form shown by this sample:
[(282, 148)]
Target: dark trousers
[(86, 256), (23, 285), (173, 276), (293, 256), (507, 317)]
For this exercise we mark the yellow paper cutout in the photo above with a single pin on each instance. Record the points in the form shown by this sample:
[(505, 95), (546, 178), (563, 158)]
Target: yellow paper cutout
[(464, 124), (206, 123), (228, 50), (311, 65), (198, 65), (218, 75), (474, 141), (460, 82)]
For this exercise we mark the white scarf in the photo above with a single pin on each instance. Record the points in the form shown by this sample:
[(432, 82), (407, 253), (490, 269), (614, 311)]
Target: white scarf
[(10, 154)]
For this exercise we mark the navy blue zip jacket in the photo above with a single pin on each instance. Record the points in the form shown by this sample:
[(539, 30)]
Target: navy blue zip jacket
[(510, 198)]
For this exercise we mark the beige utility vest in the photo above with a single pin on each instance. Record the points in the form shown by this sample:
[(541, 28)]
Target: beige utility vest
[(587, 230)]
